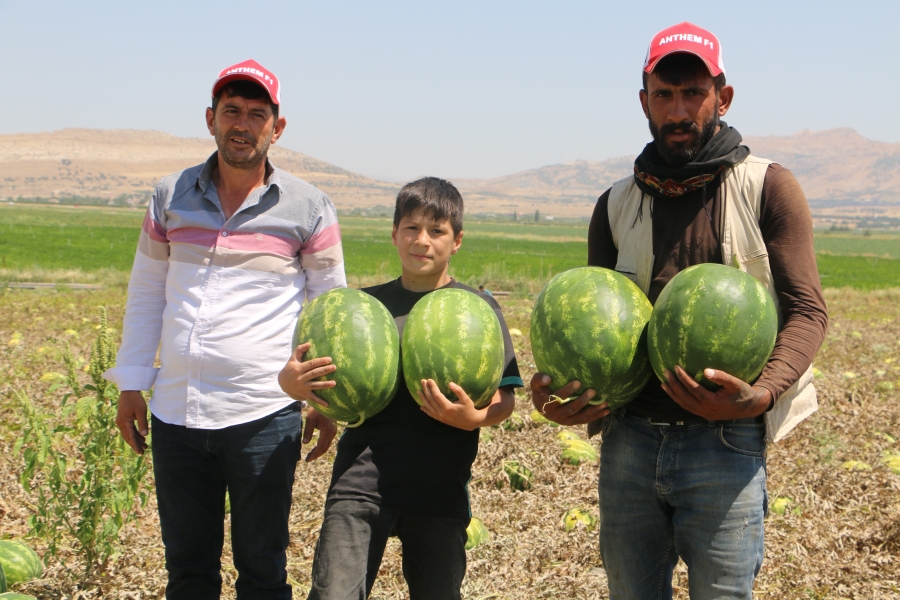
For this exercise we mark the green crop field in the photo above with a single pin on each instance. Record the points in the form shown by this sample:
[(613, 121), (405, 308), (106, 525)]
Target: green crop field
[(39, 242)]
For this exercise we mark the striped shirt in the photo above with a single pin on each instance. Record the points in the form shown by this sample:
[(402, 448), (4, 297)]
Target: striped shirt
[(220, 298)]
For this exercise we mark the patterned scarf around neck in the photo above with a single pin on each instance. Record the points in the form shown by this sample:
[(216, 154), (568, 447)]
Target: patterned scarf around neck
[(658, 179)]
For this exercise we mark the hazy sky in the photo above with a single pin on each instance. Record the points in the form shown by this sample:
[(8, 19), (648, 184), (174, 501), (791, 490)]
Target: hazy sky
[(398, 90)]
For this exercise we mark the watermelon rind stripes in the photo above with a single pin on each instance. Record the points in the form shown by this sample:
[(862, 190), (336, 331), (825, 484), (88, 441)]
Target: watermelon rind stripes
[(20, 563), (712, 316), (359, 334), (589, 324), (453, 335)]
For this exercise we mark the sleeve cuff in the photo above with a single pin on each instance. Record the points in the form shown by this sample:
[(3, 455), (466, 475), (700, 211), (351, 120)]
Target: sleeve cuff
[(132, 378), (512, 382)]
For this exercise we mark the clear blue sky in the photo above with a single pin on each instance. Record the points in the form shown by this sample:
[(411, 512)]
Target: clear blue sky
[(396, 89)]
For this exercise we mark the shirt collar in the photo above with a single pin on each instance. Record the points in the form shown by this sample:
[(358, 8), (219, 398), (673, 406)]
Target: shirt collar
[(204, 179)]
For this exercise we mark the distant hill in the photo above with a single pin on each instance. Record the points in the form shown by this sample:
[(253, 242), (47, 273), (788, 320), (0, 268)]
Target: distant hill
[(835, 167)]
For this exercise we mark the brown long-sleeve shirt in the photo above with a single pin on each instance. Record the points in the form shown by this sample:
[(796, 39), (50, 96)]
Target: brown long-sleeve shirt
[(686, 232)]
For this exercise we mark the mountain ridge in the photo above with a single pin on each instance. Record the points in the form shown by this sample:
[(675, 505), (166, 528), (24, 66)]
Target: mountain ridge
[(833, 166)]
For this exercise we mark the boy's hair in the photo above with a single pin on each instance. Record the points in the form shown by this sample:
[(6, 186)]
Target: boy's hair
[(683, 69), (438, 198), (244, 89)]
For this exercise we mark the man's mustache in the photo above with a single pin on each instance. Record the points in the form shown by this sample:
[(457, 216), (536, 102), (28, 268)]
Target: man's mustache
[(241, 136), (682, 127)]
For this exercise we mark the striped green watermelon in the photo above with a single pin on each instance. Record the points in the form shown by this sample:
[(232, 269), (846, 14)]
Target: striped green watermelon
[(360, 336), (453, 335), (15, 596), (712, 316), (588, 324), (476, 533), (3, 585), (20, 563)]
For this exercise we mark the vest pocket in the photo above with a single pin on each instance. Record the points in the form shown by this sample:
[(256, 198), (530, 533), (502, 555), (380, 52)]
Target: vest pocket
[(628, 271)]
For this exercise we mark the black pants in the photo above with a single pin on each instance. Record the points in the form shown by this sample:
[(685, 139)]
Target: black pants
[(193, 467), (352, 541)]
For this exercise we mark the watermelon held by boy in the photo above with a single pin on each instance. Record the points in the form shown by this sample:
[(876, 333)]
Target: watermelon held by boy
[(20, 563), (452, 335), (712, 316), (588, 324), (360, 336)]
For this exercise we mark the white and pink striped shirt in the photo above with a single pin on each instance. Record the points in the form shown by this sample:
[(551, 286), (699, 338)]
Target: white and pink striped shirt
[(221, 298)]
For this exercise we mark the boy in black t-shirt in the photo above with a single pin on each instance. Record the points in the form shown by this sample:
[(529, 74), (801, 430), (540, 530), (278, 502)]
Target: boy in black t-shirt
[(405, 471)]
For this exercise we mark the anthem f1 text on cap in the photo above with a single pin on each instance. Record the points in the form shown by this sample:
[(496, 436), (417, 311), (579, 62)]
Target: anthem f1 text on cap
[(250, 70), (686, 37)]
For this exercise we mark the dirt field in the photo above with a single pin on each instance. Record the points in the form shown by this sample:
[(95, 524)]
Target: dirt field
[(839, 536)]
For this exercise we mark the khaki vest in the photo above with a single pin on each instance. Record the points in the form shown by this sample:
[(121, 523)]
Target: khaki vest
[(742, 247)]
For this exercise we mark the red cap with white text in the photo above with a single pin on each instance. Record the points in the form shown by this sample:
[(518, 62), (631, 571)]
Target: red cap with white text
[(686, 37), (250, 70)]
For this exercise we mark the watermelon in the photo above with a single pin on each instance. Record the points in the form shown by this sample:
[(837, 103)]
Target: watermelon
[(361, 337), (712, 316), (476, 533), (519, 475), (15, 596), (589, 324), (452, 335), (576, 452), (20, 563), (3, 585)]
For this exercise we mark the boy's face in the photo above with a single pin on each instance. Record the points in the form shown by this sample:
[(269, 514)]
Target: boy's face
[(425, 245)]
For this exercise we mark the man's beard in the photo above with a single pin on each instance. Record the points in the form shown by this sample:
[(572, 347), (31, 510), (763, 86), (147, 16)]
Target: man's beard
[(238, 161), (683, 152)]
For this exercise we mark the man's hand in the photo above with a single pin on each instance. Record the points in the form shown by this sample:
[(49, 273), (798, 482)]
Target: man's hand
[(734, 400), (574, 412), (327, 431), (133, 408), (298, 379), (462, 414)]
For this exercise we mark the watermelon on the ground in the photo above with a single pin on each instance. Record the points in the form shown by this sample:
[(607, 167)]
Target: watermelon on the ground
[(519, 475), (360, 336), (576, 452), (574, 516), (712, 316), (3, 585), (16, 596), (453, 335), (588, 324), (476, 533), (20, 563)]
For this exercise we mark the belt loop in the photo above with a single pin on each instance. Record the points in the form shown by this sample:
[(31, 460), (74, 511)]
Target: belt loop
[(713, 424)]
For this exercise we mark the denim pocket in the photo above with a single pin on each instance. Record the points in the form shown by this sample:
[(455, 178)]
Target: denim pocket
[(745, 438), (606, 425)]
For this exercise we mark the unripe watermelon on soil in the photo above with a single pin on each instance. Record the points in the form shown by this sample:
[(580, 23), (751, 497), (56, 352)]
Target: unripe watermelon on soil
[(15, 596), (712, 316), (588, 324), (453, 335), (20, 563), (476, 533), (360, 336)]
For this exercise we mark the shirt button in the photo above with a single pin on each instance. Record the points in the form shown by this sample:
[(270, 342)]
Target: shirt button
[(224, 234)]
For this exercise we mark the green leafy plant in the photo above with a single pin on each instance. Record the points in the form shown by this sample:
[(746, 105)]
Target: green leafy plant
[(85, 478)]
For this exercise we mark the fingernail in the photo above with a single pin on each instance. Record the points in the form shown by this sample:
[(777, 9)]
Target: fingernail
[(577, 384), (143, 432), (591, 394), (545, 379), (709, 372)]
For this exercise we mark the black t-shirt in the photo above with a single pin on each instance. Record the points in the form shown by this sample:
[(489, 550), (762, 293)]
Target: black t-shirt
[(403, 458)]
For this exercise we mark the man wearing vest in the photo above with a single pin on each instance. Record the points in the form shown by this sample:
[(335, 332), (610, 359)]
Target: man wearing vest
[(683, 469)]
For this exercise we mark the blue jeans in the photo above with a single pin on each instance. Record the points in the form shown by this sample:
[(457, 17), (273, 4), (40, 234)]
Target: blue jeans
[(351, 545), (692, 491), (255, 462)]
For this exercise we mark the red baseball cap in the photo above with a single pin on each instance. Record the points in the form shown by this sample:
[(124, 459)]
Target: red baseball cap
[(250, 70), (686, 37)]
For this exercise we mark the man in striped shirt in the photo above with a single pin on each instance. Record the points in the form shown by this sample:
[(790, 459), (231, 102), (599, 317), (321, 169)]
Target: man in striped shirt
[(228, 251)]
